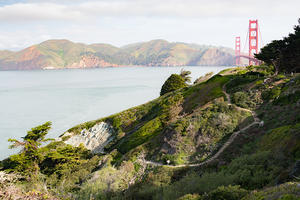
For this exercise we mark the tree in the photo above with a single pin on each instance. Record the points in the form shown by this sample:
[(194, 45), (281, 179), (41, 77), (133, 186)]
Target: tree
[(271, 54), (283, 54), (27, 161), (185, 75), (174, 82)]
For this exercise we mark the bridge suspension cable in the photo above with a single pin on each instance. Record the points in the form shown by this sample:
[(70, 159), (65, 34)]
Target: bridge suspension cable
[(260, 38), (253, 39), (246, 42)]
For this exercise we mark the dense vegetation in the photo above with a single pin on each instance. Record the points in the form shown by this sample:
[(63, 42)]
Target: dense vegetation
[(185, 126), (283, 54), (174, 82), (173, 147)]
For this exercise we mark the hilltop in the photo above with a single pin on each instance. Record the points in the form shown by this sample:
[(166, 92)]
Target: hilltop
[(234, 135), (60, 54)]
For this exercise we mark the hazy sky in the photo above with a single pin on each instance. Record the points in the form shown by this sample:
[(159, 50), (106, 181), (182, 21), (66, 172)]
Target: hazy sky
[(119, 22)]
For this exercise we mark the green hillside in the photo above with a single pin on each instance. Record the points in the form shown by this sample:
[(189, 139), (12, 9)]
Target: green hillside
[(234, 136)]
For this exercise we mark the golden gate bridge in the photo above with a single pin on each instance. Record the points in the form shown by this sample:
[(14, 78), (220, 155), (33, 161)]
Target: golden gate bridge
[(253, 34)]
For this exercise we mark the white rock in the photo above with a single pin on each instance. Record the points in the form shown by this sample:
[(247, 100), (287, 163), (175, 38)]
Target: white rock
[(94, 139)]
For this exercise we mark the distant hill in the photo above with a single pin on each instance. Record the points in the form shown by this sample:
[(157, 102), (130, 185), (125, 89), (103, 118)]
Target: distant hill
[(58, 54)]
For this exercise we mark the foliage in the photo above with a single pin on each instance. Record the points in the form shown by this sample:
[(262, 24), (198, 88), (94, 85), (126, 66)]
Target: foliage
[(185, 75), (186, 126), (190, 197), (256, 170), (203, 78), (149, 130), (240, 99), (58, 166), (193, 183), (271, 94), (284, 139), (200, 94), (28, 159), (287, 191), (283, 54), (174, 82), (287, 99), (227, 193), (107, 181)]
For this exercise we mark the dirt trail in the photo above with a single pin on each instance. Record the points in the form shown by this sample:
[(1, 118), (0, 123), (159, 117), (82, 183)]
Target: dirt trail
[(228, 142)]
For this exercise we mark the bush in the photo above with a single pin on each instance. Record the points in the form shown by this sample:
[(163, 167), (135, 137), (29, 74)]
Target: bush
[(256, 170), (289, 197), (271, 94), (288, 99), (240, 99), (227, 193), (174, 82), (190, 197)]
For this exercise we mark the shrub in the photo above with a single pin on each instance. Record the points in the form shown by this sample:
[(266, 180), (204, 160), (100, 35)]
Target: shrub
[(289, 197), (271, 94), (288, 99), (190, 197), (227, 193), (256, 170), (240, 99), (174, 82)]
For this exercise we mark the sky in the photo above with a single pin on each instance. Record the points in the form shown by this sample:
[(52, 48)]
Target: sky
[(120, 22)]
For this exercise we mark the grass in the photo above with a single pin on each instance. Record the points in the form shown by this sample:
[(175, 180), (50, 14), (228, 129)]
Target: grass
[(145, 133), (203, 93)]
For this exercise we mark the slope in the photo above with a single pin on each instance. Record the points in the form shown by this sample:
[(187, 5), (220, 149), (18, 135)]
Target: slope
[(200, 142), (57, 54)]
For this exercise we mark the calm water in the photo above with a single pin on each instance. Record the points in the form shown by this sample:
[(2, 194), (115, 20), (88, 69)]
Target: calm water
[(70, 97)]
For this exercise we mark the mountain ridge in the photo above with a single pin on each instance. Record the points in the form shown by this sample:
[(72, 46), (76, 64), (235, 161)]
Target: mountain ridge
[(62, 53)]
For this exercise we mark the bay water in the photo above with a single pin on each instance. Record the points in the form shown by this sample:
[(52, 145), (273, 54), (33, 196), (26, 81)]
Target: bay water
[(70, 97)]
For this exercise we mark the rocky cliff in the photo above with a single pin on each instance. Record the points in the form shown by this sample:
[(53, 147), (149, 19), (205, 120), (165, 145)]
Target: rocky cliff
[(94, 139)]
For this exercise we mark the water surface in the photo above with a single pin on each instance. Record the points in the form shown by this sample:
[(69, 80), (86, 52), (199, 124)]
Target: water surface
[(69, 97)]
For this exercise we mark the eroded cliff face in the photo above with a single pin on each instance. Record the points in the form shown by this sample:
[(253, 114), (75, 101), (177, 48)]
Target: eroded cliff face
[(91, 61), (94, 139)]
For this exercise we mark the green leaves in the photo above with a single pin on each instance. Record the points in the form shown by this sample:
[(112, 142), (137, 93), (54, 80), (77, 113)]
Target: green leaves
[(38, 133), (30, 156), (174, 82), (283, 54), (185, 75)]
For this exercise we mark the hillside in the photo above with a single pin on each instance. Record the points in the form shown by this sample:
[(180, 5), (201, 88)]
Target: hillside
[(59, 54), (233, 136)]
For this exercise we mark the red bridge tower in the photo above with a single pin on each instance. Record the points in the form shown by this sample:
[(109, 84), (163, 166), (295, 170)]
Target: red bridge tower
[(253, 40), (237, 51)]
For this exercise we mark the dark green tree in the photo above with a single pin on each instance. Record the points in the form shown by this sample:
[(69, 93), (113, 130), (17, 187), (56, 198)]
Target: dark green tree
[(27, 161), (291, 53), (174, 82), (283, 54), (185, 75), (271, 54)]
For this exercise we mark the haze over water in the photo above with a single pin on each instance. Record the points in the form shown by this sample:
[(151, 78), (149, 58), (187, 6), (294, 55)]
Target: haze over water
[(69, 97)]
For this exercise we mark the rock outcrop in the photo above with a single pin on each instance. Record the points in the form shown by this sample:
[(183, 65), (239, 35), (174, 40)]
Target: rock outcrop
[(91, 61), (94, 138)]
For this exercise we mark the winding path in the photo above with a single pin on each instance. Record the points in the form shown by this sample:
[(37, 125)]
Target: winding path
[(228, 142)]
